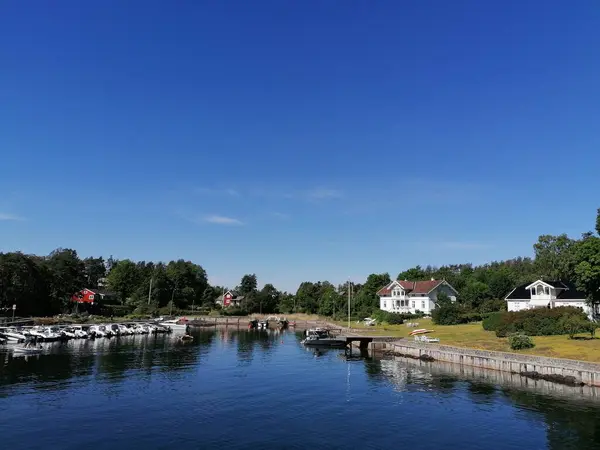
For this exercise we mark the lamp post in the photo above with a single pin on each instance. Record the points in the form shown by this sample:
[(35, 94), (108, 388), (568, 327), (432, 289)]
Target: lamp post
[(172, 296)]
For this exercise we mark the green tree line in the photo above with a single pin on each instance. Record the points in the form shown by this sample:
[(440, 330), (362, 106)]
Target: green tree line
[(43, 285)]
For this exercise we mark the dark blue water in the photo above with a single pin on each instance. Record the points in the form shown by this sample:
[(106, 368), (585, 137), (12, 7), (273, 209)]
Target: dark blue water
[(256, 389)]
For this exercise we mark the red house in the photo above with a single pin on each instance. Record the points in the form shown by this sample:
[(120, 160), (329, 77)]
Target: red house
[(90, 296), (230, 298)]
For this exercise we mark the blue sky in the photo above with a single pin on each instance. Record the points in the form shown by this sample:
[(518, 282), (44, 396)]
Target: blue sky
[(298, 140)]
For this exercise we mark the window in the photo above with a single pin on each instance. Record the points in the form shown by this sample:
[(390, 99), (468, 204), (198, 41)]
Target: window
[(423, 304), (413, 303), (397, 303), (91, 297), (384, 304)]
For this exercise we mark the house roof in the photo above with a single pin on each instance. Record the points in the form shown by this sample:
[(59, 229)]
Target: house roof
[(567, 291), (554, 284), (415, 287), (99, 291), (234, 296)]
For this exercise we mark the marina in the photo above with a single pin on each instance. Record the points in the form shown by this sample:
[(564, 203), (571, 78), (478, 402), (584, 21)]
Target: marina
[(223, 374)]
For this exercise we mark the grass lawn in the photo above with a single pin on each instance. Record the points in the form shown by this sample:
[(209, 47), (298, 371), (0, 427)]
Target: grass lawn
[(473, 335)]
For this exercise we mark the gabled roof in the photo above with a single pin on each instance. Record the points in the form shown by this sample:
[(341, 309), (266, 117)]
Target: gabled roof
[(552, 284), (414, 287), (566, 291)]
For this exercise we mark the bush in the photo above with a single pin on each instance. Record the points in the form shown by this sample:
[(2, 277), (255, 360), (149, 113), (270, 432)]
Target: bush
[(575, 324), (492, 321), (520, 341), (387, 317), (394, 319), (470, 317), (537, 322), (233, 311), (447, 315), (493, 305), (116, 310)]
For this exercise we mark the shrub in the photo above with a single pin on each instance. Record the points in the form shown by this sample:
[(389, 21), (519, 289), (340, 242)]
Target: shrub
[(394, 319), (447, 315), (233, 311), (537, 322), (492, 321), (520, 341), (388, 317), (575, 324), (470, 317), (493, 305)]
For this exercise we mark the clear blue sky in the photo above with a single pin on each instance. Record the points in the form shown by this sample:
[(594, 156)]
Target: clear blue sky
[(298, 140)]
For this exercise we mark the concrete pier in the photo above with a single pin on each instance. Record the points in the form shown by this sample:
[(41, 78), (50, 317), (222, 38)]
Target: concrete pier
[(581, 371)]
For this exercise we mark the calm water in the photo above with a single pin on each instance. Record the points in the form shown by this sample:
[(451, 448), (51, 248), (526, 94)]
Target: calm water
[(239, 390)]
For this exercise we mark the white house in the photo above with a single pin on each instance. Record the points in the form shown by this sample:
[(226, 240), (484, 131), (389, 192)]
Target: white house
[(412, 296), (547, 294)]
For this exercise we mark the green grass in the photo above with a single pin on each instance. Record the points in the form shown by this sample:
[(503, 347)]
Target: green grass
[(473, 335)]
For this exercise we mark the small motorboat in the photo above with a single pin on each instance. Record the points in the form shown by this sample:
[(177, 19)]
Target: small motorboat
[(322, 337), (28, 349), (185, 338)]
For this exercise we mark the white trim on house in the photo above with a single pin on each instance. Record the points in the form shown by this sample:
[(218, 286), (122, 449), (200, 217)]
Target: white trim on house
[(535, 283)]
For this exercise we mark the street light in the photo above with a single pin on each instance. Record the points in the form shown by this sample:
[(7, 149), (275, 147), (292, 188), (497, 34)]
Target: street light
[(172, 296)]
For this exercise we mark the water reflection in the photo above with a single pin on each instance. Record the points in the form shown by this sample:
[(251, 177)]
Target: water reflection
[(571, 413), (103, 359), (273, 390)]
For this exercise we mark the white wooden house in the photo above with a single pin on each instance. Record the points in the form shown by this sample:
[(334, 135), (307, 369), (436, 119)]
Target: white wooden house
[(412, 296)]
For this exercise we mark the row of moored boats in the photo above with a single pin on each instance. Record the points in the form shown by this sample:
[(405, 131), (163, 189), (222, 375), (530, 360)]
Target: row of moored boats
[(66, 332)]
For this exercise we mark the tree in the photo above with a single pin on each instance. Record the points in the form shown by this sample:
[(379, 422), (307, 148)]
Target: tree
[(587, 267), (443, 299), (188, 281), (67, 274), (474, 294), (268, 298), (124, 278), (95, 269), (248, 285), (552, 256), (413, 274)]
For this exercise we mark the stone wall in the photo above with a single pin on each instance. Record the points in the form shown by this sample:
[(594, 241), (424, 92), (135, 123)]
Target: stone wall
[(588, 373)]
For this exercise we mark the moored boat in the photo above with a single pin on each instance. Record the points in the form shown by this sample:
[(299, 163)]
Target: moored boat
[(322, 337)]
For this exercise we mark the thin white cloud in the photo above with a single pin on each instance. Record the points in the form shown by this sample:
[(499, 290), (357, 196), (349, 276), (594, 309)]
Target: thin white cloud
[(281, 216), (222, 220), (10, 217)]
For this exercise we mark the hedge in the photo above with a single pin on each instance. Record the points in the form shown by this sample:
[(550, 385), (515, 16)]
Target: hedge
[(536, 322)]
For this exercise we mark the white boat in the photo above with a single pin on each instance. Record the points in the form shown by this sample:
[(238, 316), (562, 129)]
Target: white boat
[(175, 324), (68, 333), (320, 337), (12, 335), (99, 331), (26, 350), (79, 331)]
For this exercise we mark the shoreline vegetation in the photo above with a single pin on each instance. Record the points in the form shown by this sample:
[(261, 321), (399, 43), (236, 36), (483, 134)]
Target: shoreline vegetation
[(47, 286)]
